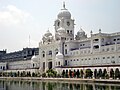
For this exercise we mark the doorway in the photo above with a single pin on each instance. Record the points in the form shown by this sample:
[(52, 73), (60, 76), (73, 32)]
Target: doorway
[(50, 65)]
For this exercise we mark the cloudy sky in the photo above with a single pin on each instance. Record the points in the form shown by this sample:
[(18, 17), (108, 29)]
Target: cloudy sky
[(20, 19)]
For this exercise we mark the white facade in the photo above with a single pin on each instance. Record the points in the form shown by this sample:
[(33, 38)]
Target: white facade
[(22, 65), (66, 50), (3, 66), (100, 49)]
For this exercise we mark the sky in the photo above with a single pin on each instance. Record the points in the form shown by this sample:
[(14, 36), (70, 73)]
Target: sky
[(24, 21)]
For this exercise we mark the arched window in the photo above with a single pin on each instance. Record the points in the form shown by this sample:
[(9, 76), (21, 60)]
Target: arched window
[(33, 65), (43, 53), (59, 63), (50, 52), (56, 51), (68, 31)]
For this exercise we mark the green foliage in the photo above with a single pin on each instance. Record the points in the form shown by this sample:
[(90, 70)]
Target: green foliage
[(38, 74), (44, 75), (74, 73), (63, 73), (81, 73), (70, 73), (15, 74), (112, 73), (107, 76), (78, 73), (24, 74), (66, 74), (51, 73), (99, 74), (95, 73), (21, 74), (58, 75), (104, 74), (11, 74), (18, 73), (88, 73)]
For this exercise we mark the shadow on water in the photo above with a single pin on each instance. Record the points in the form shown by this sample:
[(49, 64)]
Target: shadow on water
[(45, 85)]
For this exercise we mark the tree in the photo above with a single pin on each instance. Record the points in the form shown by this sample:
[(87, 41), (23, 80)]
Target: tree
[(21, 74), (24, 74), (81, 73), (66, 73), (51, 73), (104, 73), (78, 73), (15, 74), (29, 74), (44, 75), (117, 73), (74, 73), (63, 73), (95, 73), (11, 74), (112, 73), (70, 74), (38, 74), (18, 73), (100, 73), (88, 73), (58, 75)]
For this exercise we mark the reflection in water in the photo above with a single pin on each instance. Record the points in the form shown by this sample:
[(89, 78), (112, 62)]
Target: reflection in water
[(39, 85)]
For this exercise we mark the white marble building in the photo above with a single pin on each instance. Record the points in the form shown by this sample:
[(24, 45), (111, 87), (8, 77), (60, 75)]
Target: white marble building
[(66, 50)]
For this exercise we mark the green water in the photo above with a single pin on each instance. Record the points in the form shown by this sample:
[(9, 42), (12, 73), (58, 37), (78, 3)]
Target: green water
[(40, 85)]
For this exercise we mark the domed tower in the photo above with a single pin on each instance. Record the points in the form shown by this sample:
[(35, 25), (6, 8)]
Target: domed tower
[(80, 35), (34, 62), (47, 38), (59, 59), (64, 25)]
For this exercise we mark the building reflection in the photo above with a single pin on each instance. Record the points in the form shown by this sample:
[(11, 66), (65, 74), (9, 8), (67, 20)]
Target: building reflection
[(39, 85)]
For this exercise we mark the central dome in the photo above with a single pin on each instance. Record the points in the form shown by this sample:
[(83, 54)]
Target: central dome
[(64, 13)]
